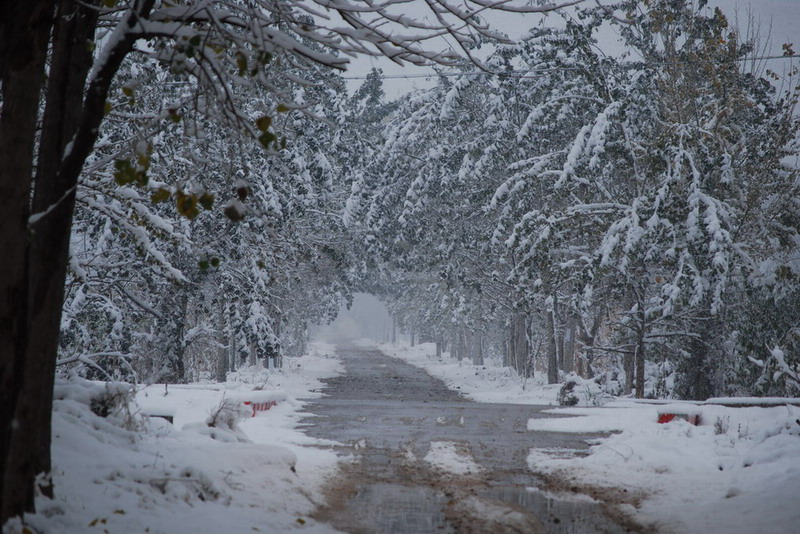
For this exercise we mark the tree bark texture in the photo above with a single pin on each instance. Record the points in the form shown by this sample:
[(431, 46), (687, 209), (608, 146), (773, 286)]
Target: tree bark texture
[(477, 355), (221, 367), (568, 350), (628, 368), (552, 345), (26, 28), (36, 249), (640, 356), (520, 346)]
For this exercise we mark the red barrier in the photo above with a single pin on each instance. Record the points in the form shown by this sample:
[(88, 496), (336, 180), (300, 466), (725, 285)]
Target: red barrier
[(666, 417), (260, 406)]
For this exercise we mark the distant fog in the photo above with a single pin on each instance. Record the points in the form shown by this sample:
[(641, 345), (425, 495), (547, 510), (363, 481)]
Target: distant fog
[(367, 318)]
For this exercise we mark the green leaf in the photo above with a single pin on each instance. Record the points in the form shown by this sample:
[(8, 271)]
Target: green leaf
[(141, 178), (233, 213), (207, 201), (195, 41), (215, 262), (266, 138), (264, 57), (282, 108), (203, 264), (124, 172), (160, 195), (143, 160), (186, 205), (241, 62), (263, 123)]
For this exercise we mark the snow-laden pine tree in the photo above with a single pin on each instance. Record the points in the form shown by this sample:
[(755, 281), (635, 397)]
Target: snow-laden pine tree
[(625, 208)]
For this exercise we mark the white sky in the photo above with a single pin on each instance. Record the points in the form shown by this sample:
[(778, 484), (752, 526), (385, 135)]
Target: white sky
[(781, 18)]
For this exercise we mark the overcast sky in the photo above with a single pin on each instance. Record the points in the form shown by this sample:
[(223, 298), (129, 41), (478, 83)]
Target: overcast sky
[(781, 16)]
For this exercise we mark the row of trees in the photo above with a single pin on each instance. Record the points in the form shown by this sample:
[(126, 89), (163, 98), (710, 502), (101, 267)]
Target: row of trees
[(589, 212), (159, 288)]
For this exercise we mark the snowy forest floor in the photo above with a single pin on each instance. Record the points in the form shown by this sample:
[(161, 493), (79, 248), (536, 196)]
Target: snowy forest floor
[(737, 472)]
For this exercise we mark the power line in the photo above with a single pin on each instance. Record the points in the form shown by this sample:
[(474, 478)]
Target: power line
[(526, 73)]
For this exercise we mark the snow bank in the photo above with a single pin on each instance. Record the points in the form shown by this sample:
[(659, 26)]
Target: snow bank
[(738, 471), (128, 473), (482, 383)]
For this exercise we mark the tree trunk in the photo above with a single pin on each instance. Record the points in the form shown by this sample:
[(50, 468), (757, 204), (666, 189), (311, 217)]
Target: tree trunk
[(568, 350), (587, 340), (520, 356), (276, 329), (628, 368), (252, 357), (477, 351), (36, 251), (25, 32), (640, 354), (231, 336), (221, 367), (696, 373), (178, 357), (552, 349), (469, 344), (462, 349)]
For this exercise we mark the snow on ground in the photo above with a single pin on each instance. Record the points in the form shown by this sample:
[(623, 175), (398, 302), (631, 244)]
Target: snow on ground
[(452, 457), (482, 383), (130, 473), (737, 472)]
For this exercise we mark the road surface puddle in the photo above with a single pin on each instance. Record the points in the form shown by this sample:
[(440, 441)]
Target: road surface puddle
[(399, 509), (560, 514)]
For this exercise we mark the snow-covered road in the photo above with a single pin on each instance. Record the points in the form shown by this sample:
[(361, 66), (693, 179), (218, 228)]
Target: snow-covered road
[(425, 459)]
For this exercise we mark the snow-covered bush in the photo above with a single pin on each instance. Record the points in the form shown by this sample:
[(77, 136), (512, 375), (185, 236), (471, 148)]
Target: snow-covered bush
[(227, 415), (110, 400), (566, 396), (578, 391), (222, 424)]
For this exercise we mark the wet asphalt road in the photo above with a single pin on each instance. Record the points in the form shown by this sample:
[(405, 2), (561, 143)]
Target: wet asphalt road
[(387, 413)]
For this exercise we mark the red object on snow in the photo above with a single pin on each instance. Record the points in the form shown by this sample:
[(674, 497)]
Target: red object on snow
[(260, 406), (666, 417)]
